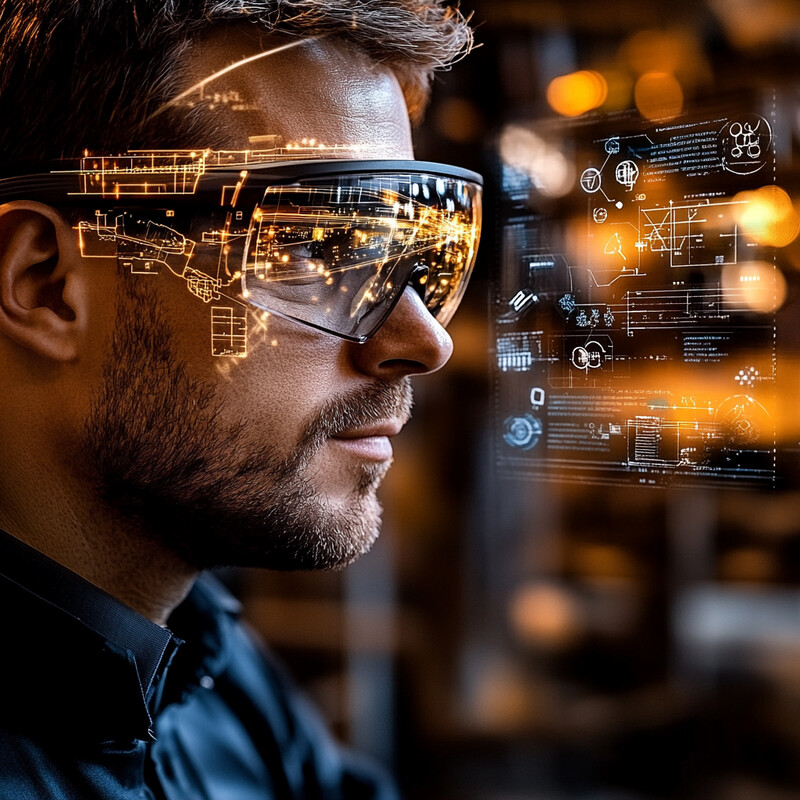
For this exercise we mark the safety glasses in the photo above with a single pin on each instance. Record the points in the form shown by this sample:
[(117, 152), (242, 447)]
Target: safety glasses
[(331, 244)]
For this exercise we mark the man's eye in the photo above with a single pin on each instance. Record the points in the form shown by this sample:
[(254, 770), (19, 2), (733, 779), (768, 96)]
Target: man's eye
[(292, 265)]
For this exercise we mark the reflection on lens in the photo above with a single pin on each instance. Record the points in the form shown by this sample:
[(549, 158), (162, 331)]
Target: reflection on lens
[(336, 253)]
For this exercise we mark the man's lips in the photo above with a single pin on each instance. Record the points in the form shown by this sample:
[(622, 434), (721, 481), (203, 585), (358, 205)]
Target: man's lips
[(370, 442), (384, 428)]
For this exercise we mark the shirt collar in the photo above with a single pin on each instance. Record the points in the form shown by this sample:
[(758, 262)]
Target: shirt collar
[(55, 595), (96, 609)]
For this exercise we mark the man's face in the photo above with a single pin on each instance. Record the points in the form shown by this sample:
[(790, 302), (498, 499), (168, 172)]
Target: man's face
[(271, 460)]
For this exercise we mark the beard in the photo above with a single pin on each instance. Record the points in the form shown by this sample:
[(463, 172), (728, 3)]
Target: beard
[(164, 458)]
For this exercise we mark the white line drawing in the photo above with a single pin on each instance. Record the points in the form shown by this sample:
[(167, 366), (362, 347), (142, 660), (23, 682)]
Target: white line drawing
[(626, 173), (591, 180), (745, 143), (614, 246), (589, 356), (649, 411), (523, 432), (656, 309), (692, 234), (521, 300)]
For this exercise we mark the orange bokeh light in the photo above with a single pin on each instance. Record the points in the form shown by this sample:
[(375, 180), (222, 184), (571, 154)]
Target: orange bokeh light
[(768, 217), (659, 51), (658, 95), (757, 285), (575, 94)]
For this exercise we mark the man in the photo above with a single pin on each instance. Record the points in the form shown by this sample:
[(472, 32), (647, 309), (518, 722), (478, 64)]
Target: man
[(205, 343)]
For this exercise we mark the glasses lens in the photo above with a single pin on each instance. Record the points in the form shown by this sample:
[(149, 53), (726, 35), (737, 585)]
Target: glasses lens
[(336, 253)]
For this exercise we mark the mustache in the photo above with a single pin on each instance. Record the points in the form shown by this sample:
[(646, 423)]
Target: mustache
[(376, 402)]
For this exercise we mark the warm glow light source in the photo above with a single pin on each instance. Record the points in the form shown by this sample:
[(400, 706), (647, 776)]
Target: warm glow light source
[(756, 23), (677, 52), (550, 171), (748, 564), (545, 615), (575, 94), (658, 95), (767, 216), (754, 285), (658, 51), (459, 119), (620, 89)]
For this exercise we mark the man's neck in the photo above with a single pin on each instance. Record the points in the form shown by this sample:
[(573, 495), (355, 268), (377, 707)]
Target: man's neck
[(104, 549)]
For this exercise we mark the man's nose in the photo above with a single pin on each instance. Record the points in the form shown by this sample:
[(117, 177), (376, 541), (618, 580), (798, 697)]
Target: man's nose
[(410, 342)]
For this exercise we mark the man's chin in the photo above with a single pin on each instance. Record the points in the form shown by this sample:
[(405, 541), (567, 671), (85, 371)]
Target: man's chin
[(326, 534), (305, 532)]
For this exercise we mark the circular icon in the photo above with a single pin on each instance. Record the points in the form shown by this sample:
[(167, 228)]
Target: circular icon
[(612, 146), (590, 180), (580, 358), (745, 144), (522, 432), (600, 215), (626, 174), (588, 357)]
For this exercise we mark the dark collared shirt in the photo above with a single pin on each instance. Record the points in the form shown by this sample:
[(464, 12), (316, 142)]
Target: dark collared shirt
[(99, 702)]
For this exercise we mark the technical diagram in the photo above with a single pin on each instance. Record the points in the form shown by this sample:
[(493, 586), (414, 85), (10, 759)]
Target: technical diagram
[(643, 347)]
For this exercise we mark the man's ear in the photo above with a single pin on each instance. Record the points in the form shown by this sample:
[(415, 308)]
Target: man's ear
[(42, 280)]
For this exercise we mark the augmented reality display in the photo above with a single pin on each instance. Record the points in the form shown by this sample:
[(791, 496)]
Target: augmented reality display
[(331, 243), (637, 322)]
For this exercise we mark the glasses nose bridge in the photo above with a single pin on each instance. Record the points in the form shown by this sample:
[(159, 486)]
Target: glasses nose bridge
[(419, 279)]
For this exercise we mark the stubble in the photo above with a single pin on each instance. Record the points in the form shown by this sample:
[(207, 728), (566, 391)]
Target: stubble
[(164, 458)]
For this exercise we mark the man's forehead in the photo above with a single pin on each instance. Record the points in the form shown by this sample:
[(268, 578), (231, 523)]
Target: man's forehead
[(250, 85)]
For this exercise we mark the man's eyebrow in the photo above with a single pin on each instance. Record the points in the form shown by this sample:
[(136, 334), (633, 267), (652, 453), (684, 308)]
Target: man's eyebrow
[(225, 70)]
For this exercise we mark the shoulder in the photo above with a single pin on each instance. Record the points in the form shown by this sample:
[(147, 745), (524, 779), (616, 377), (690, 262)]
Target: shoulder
[(251, 716)]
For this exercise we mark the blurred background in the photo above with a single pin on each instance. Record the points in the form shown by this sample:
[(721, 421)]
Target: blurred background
[(521, 637)]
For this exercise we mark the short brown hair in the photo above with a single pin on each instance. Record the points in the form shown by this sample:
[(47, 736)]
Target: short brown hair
[(72, 73)]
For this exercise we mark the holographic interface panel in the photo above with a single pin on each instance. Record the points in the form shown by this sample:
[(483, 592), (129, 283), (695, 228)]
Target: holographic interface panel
[(637, 312)]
